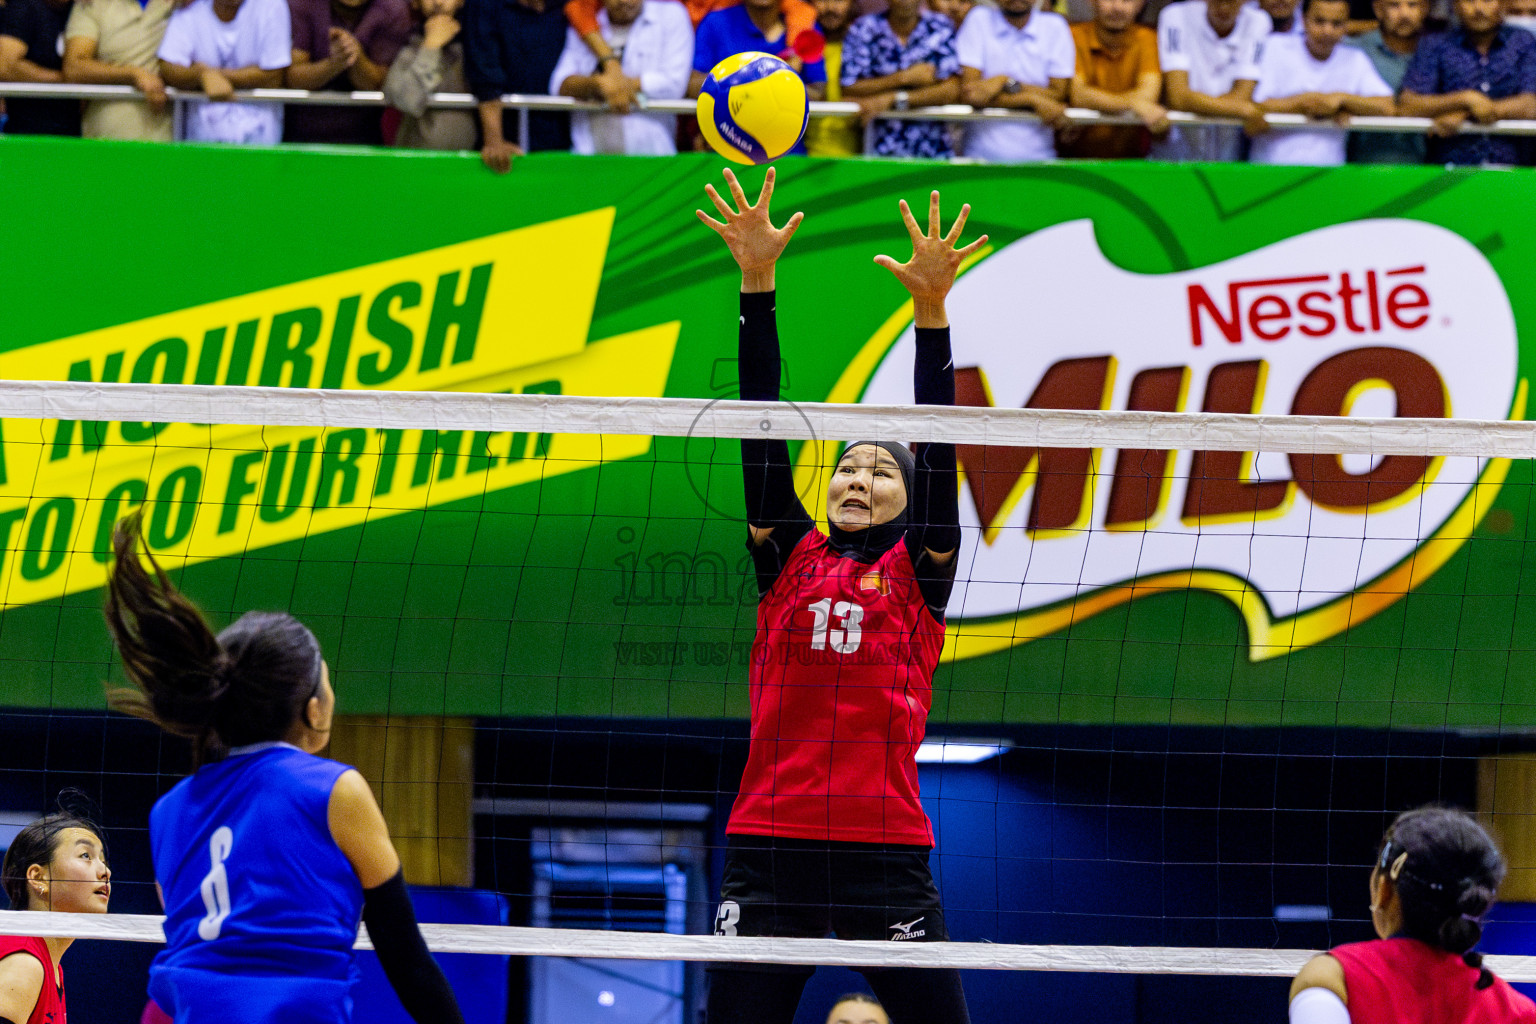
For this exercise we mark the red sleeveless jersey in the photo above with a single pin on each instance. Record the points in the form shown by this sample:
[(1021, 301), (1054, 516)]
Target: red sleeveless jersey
[(1404, 981), (841, 683), (50, 1001)]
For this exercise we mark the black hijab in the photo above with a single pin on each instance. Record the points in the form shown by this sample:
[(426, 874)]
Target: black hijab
[(868, 544)]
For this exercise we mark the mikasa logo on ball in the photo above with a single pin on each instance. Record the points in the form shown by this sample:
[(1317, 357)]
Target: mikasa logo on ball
[(1377, 318), (732, 135)]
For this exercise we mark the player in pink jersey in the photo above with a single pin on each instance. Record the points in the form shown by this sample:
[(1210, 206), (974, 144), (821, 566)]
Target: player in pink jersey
[(1434, 880), (827, 835)]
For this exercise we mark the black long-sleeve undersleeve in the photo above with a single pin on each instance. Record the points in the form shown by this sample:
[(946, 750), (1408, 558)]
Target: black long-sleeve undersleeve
[(408, 964), (765, 467), (934, 510)]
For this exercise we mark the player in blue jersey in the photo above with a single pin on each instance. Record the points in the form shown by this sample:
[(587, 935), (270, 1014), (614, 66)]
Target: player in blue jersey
[(266, 855)]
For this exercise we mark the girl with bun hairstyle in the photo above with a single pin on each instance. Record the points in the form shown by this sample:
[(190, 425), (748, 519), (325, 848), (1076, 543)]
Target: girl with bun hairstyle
[(1435, 877)]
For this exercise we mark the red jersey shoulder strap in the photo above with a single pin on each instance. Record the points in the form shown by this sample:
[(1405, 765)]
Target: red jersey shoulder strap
[(50, 999), (12, 944)]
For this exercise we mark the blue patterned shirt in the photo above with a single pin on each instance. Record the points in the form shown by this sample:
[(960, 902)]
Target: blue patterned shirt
[(1447, 63), (871, 50)]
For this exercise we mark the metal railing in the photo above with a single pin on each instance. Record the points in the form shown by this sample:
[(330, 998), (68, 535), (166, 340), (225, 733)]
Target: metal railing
[(956, 112)]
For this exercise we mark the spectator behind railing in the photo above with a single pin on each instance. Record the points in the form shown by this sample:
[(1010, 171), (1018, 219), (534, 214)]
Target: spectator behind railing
[(431, 61), (1483, 70), (114, 42), (1016, 57), (30, 33), (897, 59), (218, 46), (1285, 17), (798, 17), (512, 46), (1117, 73), (833, 136), (341, 45), (1391, 46), (1209, 50), (1315, 76), (1491, 60), (758, 25), (955, 10), (656, 39)]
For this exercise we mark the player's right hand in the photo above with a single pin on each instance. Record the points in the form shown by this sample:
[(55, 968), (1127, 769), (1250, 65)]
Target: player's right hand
[(748, 232)]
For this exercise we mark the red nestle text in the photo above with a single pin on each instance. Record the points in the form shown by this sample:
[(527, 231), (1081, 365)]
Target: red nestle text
[(1314, 305)]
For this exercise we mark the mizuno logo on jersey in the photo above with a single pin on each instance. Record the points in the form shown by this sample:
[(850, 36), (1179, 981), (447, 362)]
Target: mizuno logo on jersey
[(905, 932)]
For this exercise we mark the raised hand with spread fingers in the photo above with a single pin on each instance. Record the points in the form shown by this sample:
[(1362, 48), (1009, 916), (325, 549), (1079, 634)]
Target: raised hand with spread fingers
[(749, 233), (930, 273)]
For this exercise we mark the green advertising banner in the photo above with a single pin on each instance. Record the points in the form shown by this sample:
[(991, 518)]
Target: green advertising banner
[(472, 573)]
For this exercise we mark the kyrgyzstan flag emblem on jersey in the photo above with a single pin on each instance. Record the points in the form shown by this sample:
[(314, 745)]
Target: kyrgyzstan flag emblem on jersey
[(872, 580)]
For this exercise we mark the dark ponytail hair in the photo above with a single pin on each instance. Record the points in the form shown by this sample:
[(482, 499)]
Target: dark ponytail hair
[(36, 843), (246, 685), (1447, 871)]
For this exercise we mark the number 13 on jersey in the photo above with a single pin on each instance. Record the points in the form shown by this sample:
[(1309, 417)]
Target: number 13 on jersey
[(836, 624)]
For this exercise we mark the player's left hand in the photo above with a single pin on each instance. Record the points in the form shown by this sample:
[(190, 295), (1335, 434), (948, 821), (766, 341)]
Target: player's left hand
[(930, 273)]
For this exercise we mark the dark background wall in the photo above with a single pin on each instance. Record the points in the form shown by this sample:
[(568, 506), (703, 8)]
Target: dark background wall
[(1145, 836)]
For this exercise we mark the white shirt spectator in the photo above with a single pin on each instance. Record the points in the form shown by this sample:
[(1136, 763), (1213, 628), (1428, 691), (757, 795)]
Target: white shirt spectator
[(1289, 69), (1186, 42), (260, 35), (1032, 55), (656, 48)]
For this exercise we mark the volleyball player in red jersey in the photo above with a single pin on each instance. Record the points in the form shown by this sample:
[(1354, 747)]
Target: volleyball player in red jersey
[(827, 835), (59, 863), (1435, 878)]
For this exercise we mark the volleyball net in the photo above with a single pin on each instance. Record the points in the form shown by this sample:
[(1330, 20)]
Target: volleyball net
[(1195, 662)]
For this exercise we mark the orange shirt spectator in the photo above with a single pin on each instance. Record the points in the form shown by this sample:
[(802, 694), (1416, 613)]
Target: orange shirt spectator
[(1117, 72)]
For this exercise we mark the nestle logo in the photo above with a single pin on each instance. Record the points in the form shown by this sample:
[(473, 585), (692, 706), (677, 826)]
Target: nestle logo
[(1314, 305)]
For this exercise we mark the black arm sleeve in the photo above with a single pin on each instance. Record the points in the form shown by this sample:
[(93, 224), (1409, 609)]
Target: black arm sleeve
[(412, 972), (935, 506), (765, 466)]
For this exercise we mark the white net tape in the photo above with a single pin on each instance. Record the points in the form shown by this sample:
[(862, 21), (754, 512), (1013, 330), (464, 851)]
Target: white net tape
[(558, 414), (678, 417), (611, 945)]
